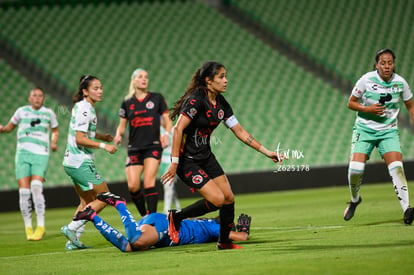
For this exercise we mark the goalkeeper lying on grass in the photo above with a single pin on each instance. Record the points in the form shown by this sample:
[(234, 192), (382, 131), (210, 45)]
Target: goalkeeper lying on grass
[(152, 229)]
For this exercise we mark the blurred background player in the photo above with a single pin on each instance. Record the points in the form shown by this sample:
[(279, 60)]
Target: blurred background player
[(35, 122), (151, 230), (200, 110), (170, 194), (376, 98), (143, 110), (78, 162)]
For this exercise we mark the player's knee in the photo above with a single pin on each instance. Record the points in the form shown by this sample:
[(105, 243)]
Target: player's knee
[(356, 168), (36, 187), (217, 200)]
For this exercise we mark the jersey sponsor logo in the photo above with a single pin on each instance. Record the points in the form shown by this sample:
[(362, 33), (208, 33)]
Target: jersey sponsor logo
[(155, 153), (193, 101), (385, 98), (132, 106), (150, 105), (208, 113), (197, 179), (94, 121), (85, 113), (142, 121), (188, 174), (34, 122), (220, 114), (140, 112)]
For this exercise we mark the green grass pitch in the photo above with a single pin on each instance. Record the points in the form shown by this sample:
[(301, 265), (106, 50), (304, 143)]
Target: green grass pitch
[(293, 232)]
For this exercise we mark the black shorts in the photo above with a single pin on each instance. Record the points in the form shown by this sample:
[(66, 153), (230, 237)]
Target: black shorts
[(196, 173), (136, 157)]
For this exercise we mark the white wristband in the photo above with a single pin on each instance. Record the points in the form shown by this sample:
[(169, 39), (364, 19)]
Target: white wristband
[(102, 145), (175, 160)]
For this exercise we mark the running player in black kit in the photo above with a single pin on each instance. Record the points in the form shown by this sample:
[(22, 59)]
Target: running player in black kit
[(199, 111), (143, 110)]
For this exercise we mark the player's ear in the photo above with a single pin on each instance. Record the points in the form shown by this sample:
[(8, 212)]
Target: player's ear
[(208, 80)]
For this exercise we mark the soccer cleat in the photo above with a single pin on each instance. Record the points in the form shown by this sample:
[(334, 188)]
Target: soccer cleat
[(110, 198), (29, 233), (71, 236), (87, 214), (222, 246), (350, 210), (38, 234), (173, 227), (243, 223), (409, 215), (70, 246)]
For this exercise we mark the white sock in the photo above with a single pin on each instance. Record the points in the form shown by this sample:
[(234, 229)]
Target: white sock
[(168, 196), (75, 225), (399, 180), (80, 231), (355, 172), (36, 186), (25, 206), (176, 200)]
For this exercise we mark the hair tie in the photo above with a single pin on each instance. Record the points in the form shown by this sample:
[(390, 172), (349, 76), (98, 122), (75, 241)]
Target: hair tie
[(134, 73)]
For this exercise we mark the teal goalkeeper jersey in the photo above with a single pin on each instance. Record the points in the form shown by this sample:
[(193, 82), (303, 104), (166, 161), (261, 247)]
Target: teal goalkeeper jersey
[(371, 89), (33, 134), (84, 120)]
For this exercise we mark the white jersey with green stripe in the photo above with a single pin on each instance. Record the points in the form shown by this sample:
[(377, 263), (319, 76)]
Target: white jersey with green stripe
[(371, 89), (83, 120), (34, 126)]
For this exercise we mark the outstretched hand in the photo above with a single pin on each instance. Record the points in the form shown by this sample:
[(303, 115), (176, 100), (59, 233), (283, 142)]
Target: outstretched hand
[(169, 176), (277, 157)]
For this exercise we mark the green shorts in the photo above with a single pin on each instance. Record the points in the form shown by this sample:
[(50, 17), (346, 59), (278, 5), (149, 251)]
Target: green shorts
[(28, 164), (85, 176), (386, 141)]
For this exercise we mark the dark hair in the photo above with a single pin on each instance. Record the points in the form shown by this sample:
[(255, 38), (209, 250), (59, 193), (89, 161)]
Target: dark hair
[(37, 88), (198, 82), (84, 82), (381, 52)]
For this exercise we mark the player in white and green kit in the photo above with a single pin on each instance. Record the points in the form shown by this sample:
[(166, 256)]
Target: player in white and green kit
[(170, 194), (34, 123), (376, 97), (79, 161)]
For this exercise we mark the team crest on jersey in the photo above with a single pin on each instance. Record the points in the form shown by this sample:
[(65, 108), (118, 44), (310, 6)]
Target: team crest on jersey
[(150, 105), (220, 114), (394, 88), (197, 179)]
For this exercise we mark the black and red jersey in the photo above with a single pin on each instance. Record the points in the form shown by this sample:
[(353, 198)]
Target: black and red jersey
[(205, 117), (144, 118)]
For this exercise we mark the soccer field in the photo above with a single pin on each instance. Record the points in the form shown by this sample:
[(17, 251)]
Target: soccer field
[(293, 232)]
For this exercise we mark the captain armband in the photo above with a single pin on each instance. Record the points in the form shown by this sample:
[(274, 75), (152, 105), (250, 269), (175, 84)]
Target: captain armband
[(231, 122)]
